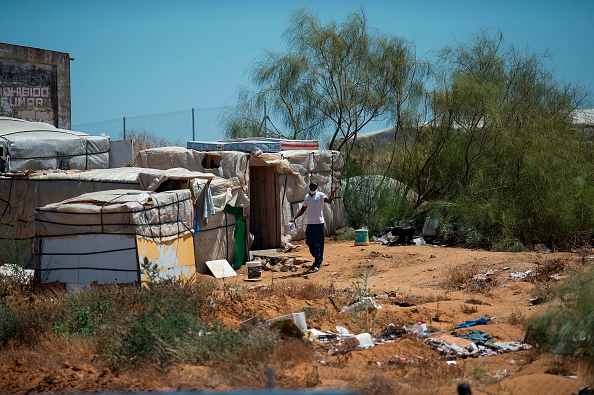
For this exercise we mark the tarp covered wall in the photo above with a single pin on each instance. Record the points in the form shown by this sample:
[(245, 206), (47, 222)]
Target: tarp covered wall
[(40, 146), (103, 237), (20, 195), (294, 167)]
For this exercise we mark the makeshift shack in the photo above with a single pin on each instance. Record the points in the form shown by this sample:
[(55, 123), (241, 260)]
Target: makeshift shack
[(28, 145), (274, 182), (215, 201), (116, 237)]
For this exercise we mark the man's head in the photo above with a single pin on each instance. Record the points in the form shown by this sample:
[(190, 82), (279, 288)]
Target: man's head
[(313, 186)]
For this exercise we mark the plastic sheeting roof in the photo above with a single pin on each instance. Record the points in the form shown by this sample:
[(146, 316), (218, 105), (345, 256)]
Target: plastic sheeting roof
[(153, 215), (39, 146)]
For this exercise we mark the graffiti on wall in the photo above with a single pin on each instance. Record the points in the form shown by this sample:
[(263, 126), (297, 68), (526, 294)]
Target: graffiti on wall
[(27, 91)]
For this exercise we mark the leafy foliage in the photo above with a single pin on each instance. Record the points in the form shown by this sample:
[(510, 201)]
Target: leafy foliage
[(497, 157), (335, 78), (8, 324)]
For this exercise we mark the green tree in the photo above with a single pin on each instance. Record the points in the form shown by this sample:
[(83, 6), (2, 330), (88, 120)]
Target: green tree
[(499, 149), (335, 78)]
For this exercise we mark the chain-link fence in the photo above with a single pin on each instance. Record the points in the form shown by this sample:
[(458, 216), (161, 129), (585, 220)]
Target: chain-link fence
[(177, 127)]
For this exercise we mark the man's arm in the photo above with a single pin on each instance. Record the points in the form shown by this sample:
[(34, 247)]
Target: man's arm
[(329, 199), (301, 211)]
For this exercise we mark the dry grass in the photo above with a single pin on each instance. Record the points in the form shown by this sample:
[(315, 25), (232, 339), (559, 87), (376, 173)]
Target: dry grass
[(424, 299), (469, 277), (468, 310), (516, 317), (545, 271)]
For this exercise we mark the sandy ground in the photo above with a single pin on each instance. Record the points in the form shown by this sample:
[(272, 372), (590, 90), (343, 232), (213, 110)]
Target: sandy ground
[(421, 276)]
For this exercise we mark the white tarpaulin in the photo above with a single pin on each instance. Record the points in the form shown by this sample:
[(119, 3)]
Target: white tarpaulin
[(28, 145), (20, 195), (295, 168), (116, 236)]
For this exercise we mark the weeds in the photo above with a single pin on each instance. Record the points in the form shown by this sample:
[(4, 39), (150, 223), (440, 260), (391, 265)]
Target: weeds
[(8, 324), (363, 318), (468, 277), (544, 272), (466, 309), (149, 270), (346, 234), (516, 318)]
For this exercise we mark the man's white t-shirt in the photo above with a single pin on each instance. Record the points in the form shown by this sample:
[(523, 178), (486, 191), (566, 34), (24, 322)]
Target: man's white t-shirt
[(315, 207)]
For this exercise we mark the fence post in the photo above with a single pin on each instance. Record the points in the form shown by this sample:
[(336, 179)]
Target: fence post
[(193, 127), (124, 128)]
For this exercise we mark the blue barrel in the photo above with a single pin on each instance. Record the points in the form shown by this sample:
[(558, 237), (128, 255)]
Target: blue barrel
[(361, 237)]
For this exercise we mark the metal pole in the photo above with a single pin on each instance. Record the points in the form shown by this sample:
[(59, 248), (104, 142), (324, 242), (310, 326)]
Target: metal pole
[(270, 374), (193, 127), (124, 128)]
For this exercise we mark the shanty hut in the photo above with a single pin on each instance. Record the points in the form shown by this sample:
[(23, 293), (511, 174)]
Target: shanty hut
[(274, 182), (215, 202), (116, 237), (26, 145)]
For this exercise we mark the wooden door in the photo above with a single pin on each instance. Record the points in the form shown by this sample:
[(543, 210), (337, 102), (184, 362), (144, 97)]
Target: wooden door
[(264, 208)]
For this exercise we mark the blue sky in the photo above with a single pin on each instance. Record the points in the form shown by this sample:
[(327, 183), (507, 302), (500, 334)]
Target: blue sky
[(136, 58)]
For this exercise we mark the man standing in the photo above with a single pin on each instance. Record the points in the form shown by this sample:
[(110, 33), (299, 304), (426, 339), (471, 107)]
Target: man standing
[(314, 233)]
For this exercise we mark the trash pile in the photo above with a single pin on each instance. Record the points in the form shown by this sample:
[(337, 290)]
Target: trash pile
[(342, 341), (474, 343)]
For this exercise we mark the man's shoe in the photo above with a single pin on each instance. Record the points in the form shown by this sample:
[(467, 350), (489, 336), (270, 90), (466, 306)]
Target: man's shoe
[(315, 269)]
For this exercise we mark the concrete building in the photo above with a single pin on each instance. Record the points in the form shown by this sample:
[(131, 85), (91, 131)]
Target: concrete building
[(35, 85)]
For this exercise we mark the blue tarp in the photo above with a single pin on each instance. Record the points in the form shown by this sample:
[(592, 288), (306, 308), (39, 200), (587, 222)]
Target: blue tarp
[(480, 321)]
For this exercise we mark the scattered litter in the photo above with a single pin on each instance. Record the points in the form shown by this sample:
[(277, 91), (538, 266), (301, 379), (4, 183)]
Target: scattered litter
[(451, 362), (392, 332), (480, 321), (365, 340), (461, 347), (536, 301), (342, 330), (289, 323), (404, 304), (521, 275), (366, 303), (475, 336), (11, 270)]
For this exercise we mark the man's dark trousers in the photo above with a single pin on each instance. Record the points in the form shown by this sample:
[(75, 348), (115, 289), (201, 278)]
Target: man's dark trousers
[(314, 238)]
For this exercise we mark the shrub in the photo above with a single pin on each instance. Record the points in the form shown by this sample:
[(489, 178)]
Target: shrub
[(373, 200), (567, 329), (85, 313), (8, 324)]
